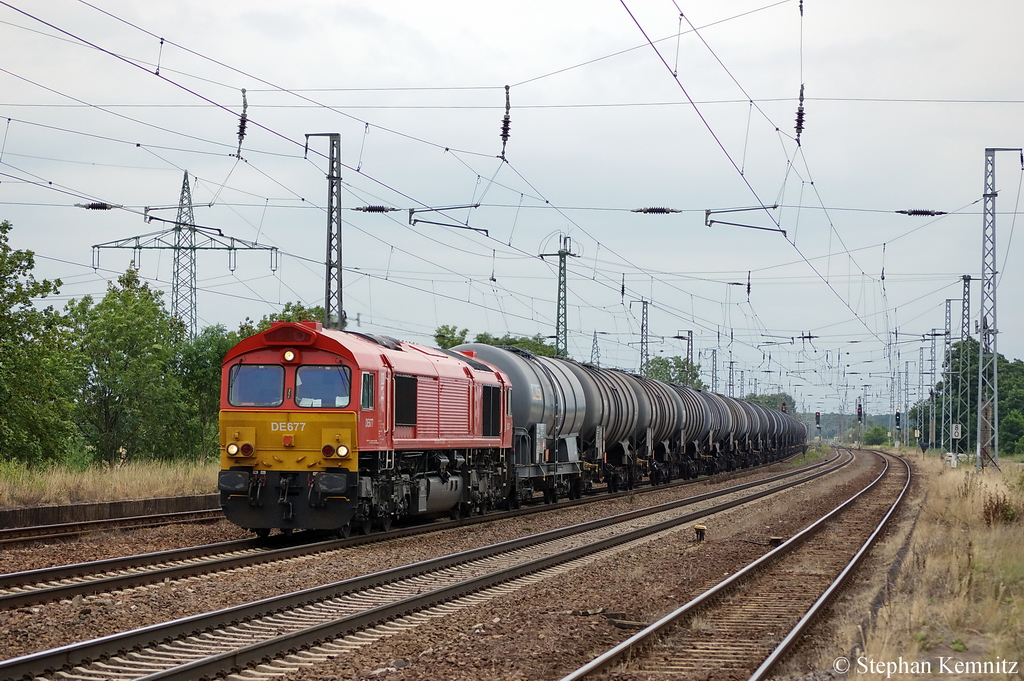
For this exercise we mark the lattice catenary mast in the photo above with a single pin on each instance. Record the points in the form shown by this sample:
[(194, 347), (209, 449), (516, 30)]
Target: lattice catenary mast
[(947, 380), (962, 391), (645, 348), (987, 446), (334, 310), (562, 314)]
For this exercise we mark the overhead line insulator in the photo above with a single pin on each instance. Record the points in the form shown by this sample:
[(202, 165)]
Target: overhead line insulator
[(657, 210), (242, 120), (96, 206), (800, 115), (376, 209), (506, 122), (922, 212)]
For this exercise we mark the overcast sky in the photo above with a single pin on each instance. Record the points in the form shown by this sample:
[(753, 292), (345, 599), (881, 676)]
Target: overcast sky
[(615, 106)]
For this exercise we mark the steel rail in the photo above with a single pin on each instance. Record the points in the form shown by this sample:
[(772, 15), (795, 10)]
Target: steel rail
[(642, 637), (36, 664), (20, 535), (253, 555), (10, 535), (784, 646)]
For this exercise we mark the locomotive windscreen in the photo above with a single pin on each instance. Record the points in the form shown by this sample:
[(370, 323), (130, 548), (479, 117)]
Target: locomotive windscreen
[(322, 386), (256, 385)]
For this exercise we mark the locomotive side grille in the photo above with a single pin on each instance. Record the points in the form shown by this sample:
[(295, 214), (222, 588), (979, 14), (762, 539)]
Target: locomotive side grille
[(453, 407)]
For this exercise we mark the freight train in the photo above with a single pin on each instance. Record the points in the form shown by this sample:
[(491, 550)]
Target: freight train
[(334, 430)]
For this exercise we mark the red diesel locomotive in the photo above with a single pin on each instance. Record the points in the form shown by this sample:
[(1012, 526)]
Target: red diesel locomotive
[(324, 429)]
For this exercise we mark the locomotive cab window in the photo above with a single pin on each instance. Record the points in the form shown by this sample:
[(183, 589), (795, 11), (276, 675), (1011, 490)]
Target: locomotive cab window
[(369, 381), (322, 386), (256, 385)]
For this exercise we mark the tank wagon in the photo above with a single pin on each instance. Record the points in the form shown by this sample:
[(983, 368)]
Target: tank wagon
[(325, 429)]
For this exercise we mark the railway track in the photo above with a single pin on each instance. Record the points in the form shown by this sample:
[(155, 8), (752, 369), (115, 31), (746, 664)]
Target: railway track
[(743, 626), (382, 603), (69, 581), (32, 533), (19, 535)]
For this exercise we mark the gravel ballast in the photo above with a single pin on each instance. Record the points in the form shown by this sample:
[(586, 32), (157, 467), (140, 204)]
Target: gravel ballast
[(530, 634)]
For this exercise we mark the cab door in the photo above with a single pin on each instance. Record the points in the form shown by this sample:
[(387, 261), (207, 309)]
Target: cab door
[(385, 404)]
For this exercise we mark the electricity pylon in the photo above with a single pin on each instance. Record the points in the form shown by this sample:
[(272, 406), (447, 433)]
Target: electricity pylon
[(184, 238)]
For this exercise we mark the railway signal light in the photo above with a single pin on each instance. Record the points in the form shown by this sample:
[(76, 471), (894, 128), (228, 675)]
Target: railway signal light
[(817, 418), (783, 407), (897, 419)]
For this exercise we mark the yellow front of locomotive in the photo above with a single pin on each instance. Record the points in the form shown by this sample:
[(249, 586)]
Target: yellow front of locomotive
[(288, 435)]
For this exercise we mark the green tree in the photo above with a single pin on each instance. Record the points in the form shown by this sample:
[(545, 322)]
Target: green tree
[(35, 386), (960, 368), (132, 403), (291, 312), (1011, 431), (536, 344), (875, 435), (675, 370), (448, 336), (199, 367), (775, 401)]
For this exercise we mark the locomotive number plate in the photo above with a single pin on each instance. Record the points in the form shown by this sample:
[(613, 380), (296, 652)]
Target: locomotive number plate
[(287, 426)]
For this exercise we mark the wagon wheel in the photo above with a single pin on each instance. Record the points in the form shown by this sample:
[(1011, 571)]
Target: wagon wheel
[(366, 525), (262, 532), (345, 530), (385, 523)]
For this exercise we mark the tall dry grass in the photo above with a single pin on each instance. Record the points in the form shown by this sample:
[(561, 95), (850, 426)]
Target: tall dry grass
[(22, 486), (960, 591)]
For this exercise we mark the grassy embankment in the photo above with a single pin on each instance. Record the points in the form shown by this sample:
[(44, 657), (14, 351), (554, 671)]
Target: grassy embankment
[(21, 486), (960, 591)]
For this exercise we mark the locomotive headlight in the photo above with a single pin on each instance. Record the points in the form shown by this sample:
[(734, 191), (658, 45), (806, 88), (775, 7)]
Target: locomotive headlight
[(289, 355), (232, 449), (342, 451)]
